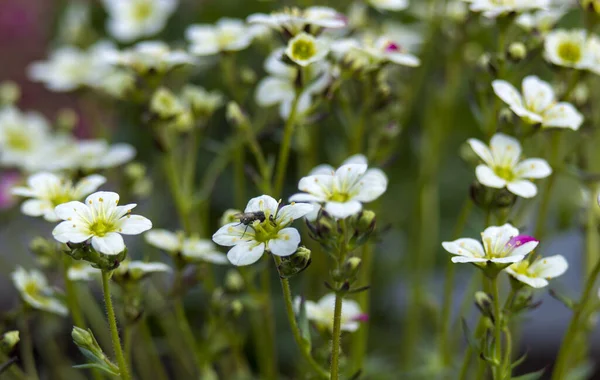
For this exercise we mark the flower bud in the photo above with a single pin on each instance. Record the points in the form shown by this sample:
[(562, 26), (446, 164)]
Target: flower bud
[(8, 341), (488, 198), (366, 222), (9, 93), (236, 116), (66, 120), (484, 62), (236, 308), (517, 51), (484, 303), (202, 103), (85, 251), (234, 282), (165, 104), (296, 263), (248, 75), (85, 340), (135, 171), (350, 268)]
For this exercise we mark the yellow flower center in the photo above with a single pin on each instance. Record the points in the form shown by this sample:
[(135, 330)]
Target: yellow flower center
[(142, 10), (504, 172), (339, 197), (17, 140), (569, 51), (225, 37), (521, 267), (303, 49), (32, 290), (101, 227)]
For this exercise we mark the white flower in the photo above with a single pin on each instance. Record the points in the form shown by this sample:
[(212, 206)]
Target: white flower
[(305, 49), (280, 86), (35, 291), (567, 48), (293, 21), (537, 104), (502, 245), (370, 52), (101, 220), (192, 249), (226, 35), (389, 5), (343, 191), (495, 8), (22, 137), (273, 233), (502, 166), (98, 154), (538, 273), (136, 270), (593, 53), (150, 56), (132, 19), (69, 68), (82, 271), (48, 190), (321, 312), (542, 21)]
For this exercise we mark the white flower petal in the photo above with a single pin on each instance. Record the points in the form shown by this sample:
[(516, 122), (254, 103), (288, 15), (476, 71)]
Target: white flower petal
[(264, 203), (74, 210), (232, 234), (508, 93), (317, 185), (245, 253), (286, 243), (549, 267), (563, 115), (88, 185), (534, 282), (464, 247), (134, 225), (372, 185), (506, 150), (349, 174), (465, 259), (522, 188), (508, 259), (287, 214), (37, 207), (110, 244), (488, 178), (68, 232), (272, 90), (163, 239), (533, 168), (538, 94), (482, 151), (342, 210), (498, 237), (303, 197)]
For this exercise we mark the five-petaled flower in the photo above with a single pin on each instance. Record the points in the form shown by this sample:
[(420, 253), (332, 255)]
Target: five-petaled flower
[(293, 21), (131, 19), (305, 49), (537, 104), (36, 292), (536, 274), (502, 166), (101, 220), (501, 245), (321, 312), (496, 8), (567, 48), (48, 190), (269, 232)]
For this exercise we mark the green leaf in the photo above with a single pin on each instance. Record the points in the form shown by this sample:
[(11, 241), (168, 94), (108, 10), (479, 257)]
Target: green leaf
[(531, 376), (519, 361), (304, 325), (97, 366)]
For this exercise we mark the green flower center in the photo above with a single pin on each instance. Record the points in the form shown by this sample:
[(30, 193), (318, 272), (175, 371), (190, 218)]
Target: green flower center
[(303, 50), (59, 199), (225, 37), (265, 231), (569, 51), (142, 10), (33, 291), (521, 268), (506, 173), (340, 197), (101, 228), (17, 140)]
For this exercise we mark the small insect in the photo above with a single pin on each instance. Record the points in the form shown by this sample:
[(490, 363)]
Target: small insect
[(247, 218)]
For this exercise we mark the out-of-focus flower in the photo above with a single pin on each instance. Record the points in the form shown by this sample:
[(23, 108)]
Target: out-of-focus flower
[(82, 271), (305, 49), (202, 102), (132, 19), (226, 35), (293, 20), (99, 154), (343, 191), (150, 57), (567, 48), (537, 104), (280, 86), (69, 68), (496, 8), (101, 220), (74, 23), (22, 137), (457, 10), (389, 5), (538, 273), (8, 341), (501, 244), (48, 190), (370, 53), (268, 231), (593, 53), (191, 249), (542, 21), (502, 166), (35, 291), (8, 180), (321, 312), (137, 270)]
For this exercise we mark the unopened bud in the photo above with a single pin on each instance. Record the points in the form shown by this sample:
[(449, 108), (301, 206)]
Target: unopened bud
[(296, 263), (366, 222), (83, 338), (66, 120), (165, 104), (485, 63), (8, 341), (234, 282), (9, 93), (351, 267), (236, 116), (485, 304), (488, 198), (248, 75), (135, 171), (517, 51), (236, 308)]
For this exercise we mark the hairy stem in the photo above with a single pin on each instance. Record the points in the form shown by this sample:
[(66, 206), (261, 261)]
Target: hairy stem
[(112, 323)]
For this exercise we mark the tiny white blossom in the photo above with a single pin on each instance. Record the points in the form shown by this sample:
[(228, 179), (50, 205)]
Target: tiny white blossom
[(226, 35), (389, 5), (22, 137), (82, 271), (101, 220), (132, 19), (305, 49), (495, 8), (538, 273), (136, 270), (150, 56), (372, 52), (99, 154), (48, 190), (36, 292), (537, 104), (273, 233), (567, 48), (343, 191), (321, 312), (542, 21), (192, 249), (293, 21), (501, 244), (503, 167)]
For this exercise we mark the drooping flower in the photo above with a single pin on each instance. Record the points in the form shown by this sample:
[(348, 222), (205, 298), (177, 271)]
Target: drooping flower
[(537, 104), (226, 35), (503, 166), (22, 137), (305, 49), (270, 231), (371, 52), (343, 191), (538, 273), (293, 21), (280, 86), (150, 56), (567, 48), (132, 19), (496, 8), (35, 291), (191, 249), (101, 220), (501, 245), (48, 190), (389, 5), (321, 312), (542, 21)]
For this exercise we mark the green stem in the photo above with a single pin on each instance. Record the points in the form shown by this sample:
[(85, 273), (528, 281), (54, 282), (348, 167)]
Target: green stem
[(171, 170), (498, 370), (300, 341), (239, 178), (564, 355), (360, 338), (284, 151), (336, 337), (112, 323), (153, 357), (269, 322), (26, 345), (127, 336), (464, 368), (591, 234)]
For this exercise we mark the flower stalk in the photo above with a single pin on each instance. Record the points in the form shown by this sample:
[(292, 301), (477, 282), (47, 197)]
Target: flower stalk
[(112, 323)]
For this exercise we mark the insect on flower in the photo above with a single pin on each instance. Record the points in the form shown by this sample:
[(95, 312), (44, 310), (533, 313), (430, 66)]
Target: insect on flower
[(247, 218)]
